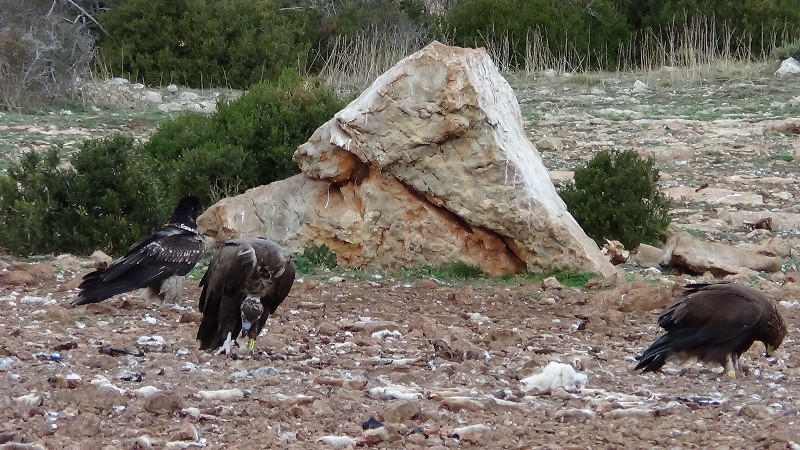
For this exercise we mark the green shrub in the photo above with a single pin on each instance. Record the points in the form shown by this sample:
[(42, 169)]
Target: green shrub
[(110, 199), (786, 51), (616, 196), (246, 143), (320, 256), (362, 15), (591, 28), (754, 23), (202, 43)]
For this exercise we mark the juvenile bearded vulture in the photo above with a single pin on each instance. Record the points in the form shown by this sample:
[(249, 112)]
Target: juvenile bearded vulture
[(247, 280), (715, 323), (157, 262)]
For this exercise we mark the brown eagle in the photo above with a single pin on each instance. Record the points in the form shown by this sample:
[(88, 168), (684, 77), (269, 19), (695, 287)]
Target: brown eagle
[(246, 281), (715, 323), (157, 262)]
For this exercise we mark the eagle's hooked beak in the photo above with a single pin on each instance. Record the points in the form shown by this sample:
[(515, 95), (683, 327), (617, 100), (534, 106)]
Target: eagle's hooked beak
[(770, 350)]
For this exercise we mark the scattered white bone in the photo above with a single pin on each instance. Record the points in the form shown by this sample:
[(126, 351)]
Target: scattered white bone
[(470, 433), (224, 394), (394, 392), (555, 375), (338, 441), (154, 341), (32, 399), (145, 391), (385, 334), (101, 381)]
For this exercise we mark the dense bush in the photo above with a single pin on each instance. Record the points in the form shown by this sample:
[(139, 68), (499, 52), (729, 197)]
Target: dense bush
[(109, 200), (616, 196), (246, 143), (591, 28), (604, 32), (118, 190), (354, 17), (789, 50), (754, 23), (44, 52), (202, 43)]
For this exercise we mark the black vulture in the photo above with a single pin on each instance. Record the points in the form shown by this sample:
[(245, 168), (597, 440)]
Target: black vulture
[(157, 262), (246, 281), (715, 323)]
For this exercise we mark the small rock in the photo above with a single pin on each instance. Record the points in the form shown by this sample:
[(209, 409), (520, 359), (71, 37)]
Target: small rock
[(401, 410), (163, 402), (755, 411), (41, 271), (327, 328), (550, 143), (152, 97), (100, 260), (574, 415), (648, 256), (789, 68), (172, 89), (17, 278), (474, 434), (639, 86), (551, 283)]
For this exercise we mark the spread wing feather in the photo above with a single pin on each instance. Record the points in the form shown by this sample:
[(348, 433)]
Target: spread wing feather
[(171, 251)]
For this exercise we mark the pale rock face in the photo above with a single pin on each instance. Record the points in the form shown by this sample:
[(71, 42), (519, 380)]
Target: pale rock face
[(683, 249), (430, 164)]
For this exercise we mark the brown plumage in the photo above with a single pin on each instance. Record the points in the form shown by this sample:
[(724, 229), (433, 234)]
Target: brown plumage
[(246, 281), (715, 323)]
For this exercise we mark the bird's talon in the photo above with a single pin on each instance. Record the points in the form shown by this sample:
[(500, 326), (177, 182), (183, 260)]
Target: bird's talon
[(251, 345), (731, 374)]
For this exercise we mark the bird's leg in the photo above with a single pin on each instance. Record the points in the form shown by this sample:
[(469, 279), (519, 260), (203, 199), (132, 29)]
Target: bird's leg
[(731, 366), (251, 346)]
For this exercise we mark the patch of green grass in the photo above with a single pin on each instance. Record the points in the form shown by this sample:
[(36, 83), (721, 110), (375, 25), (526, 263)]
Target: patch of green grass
[(788, 157), (693, 232), (571, 278)]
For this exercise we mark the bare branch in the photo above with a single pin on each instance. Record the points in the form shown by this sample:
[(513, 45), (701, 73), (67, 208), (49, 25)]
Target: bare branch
[(71, 2)]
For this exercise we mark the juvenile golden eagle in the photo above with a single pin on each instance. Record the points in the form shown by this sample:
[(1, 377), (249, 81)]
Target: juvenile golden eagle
[(715, 323), (246, 281), (157, 262)]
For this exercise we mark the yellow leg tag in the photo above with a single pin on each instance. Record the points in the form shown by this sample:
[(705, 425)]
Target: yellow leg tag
[(731, 374), (251, 345)]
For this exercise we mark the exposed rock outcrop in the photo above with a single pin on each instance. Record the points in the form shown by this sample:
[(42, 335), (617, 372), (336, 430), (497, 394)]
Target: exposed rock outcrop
[(430, 164), (684, 250)]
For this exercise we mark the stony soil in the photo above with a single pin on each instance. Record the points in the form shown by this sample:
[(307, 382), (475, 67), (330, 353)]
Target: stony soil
[(436, 357)]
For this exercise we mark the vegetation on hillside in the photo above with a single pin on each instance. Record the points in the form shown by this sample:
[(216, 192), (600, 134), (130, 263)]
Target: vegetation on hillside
[(117, 190), (616, 196)]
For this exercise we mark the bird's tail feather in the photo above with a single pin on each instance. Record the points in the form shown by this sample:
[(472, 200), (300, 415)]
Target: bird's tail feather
[(655, 356), (94, 289)]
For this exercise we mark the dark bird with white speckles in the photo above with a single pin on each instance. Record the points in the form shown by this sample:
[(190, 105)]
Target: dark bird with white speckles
[(715, 323), (157, 262), (246, 281)]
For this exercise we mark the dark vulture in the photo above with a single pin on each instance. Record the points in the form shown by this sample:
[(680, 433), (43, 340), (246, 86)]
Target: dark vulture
[(157, 262), (715, 323), (247, 280)]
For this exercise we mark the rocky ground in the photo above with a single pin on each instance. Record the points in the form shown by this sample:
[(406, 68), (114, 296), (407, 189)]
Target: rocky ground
[(442, 363)]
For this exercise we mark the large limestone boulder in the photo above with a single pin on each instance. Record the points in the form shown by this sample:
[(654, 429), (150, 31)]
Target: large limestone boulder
[(430, 164)]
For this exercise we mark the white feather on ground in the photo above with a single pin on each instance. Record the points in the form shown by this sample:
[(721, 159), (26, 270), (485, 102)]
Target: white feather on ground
[(554, 375)]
